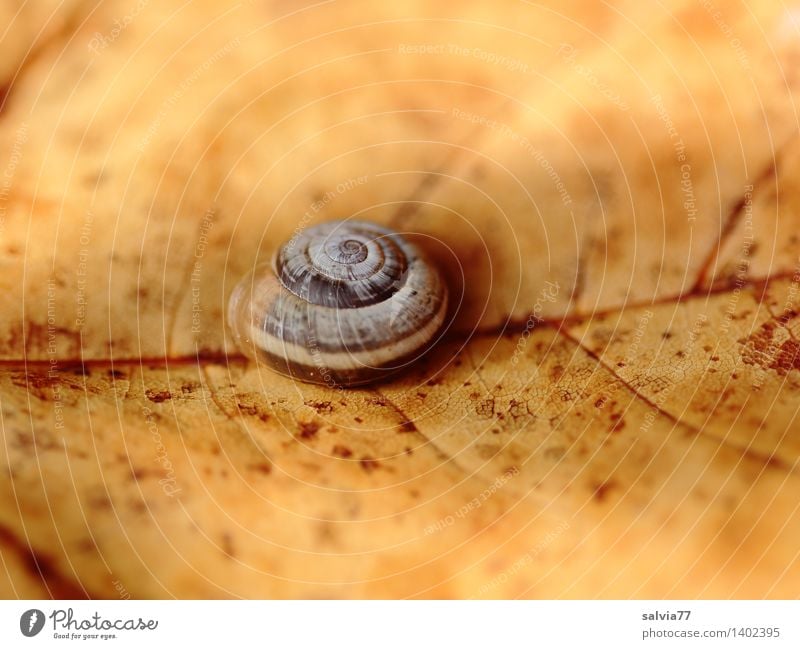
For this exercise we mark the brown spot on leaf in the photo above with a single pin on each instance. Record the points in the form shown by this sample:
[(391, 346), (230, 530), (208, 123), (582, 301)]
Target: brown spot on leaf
[(227, 545), (308, 430), (517, 409), (137, 474), (554, 453), (253, 410), (44, 569), (601, 490), (326, 533), (320, 406), (618, 423), (188, 387), (408, 427), (763, 349), (158, 396), (369, 464), (485, 408), (38, 385), (261, 467), (487, 451), (341, 451)]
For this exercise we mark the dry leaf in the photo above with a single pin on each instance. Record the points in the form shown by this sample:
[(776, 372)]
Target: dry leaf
[(609, 190)]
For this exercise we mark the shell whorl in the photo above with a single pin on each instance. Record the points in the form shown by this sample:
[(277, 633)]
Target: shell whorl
[(343, 265), (343, 303)]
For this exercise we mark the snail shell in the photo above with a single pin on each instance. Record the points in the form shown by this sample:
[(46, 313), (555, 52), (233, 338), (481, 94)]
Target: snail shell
[(343, 303)]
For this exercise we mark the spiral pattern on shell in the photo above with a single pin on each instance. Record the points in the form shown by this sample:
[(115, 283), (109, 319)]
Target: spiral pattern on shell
[(343, 303)]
